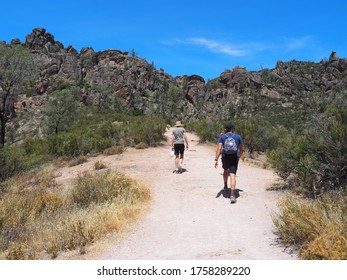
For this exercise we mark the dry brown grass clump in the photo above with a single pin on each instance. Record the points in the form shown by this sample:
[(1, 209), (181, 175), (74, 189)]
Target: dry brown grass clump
[(100, 165), (318, 227), (114, 150), (141, 145), (39, 220)]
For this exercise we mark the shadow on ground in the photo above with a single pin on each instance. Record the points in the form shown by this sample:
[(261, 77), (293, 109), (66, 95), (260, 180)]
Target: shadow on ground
[(227, 193)]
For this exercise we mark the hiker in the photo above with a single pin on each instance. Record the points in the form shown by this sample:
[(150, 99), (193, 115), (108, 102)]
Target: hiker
[(179, 137), (230, 146)]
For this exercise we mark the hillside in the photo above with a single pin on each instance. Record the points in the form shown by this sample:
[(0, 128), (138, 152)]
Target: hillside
[(125, 82)]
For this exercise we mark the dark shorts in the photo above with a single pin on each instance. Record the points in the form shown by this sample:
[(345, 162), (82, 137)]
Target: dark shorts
[(179, 149), (230, 163)]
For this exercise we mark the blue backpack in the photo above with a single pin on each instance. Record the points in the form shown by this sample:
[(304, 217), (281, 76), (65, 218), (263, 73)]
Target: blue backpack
[(229, 146)]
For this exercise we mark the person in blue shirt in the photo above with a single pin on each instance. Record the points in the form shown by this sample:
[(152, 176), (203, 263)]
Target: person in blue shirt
[(230, 160)]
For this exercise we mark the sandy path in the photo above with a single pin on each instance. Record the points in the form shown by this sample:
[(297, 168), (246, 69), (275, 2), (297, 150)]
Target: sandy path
[(191, 216)]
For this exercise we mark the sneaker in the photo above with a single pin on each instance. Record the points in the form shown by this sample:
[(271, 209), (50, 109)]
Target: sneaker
[(232, 199)]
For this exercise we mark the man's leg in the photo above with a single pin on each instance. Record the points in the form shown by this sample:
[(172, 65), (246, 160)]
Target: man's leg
[(233, 183), (225, 178), (232, 186), (232, 170)]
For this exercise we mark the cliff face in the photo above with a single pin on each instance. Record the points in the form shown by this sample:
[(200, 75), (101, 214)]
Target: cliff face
[(113, 71), (135, 84)]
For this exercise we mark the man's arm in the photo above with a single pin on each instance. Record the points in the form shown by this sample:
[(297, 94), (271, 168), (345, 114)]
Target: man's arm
[(218, 152), (241, 149), (185, 139)]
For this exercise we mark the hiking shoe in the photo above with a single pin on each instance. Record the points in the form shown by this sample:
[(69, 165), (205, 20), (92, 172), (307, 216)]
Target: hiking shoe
[(232, 199)]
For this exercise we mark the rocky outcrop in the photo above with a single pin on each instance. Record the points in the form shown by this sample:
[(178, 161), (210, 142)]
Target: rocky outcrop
[(130, 82), (127, 78), (237, 78)]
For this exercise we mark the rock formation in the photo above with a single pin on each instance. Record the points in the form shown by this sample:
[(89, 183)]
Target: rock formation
[(135, 84)]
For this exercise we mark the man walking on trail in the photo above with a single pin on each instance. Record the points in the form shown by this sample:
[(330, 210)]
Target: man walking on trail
[(230, 146), (179, 137)]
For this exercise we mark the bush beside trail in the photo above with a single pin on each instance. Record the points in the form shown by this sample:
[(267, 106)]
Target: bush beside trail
[(39, 219), (92, 134), (316, 227)]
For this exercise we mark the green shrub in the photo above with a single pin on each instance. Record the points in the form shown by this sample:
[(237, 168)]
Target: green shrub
[(208, 131), (12, 161), (148, 130), (316, 160), (99, 143), (258, 134), (30, 154)]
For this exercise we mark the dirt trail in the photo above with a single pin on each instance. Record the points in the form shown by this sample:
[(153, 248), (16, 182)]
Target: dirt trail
[(191, 216)]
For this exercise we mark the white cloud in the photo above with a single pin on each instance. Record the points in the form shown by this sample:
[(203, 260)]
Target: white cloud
[(218, 47), (214, 46), (249, 49), (298, 43)]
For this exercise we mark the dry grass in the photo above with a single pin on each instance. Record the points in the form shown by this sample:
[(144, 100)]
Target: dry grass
[(318, 227), (141, 145), (39, 220), (100, 165), (114, 150), (77, 161)]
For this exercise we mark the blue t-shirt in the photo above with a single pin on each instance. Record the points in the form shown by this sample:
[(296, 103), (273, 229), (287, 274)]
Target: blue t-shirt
[(238, 140)]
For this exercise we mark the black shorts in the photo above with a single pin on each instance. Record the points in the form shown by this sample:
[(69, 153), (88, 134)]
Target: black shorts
[(230, 163), (179, 149)]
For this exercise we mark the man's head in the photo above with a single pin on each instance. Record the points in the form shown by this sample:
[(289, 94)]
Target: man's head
[(229, 127)]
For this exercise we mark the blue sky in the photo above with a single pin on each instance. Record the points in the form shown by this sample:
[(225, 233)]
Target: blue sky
[(189, 37)]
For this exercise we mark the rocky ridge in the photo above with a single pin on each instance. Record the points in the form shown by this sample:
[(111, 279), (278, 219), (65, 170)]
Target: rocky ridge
[(135, 84)]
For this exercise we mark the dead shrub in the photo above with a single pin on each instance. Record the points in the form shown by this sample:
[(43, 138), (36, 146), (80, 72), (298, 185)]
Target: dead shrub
[(114, 150), (318, 227), (141, 145), (99, 165)]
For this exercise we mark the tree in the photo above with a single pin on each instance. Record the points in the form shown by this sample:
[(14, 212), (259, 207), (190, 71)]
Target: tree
[(16, 72), (61, 108)]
